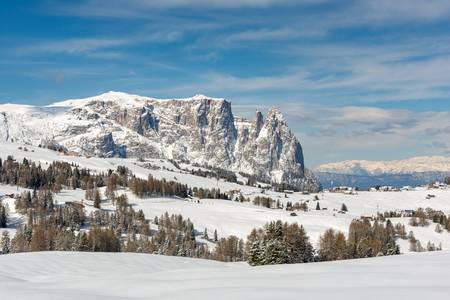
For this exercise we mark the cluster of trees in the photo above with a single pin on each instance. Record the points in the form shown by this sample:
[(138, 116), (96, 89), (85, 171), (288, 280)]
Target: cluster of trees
[(265, 201), (252, 180), (38, 201), (416, 246), (208, 193), (230, 249), (177, 236), (65, 227), (156, 188), (423, 217), (58, 174), (214, 172), (281, 243), (281, 187), (367, 239), (296, 206)]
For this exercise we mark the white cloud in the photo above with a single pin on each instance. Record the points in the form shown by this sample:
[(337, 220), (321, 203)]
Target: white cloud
[(338, 133), (97, 47), (265, 34), (139, 8)]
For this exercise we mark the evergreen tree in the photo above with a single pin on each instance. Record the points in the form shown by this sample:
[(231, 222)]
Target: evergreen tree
[(5, 243), (317, 206), (255, 253), (97, 199), (3, 216)]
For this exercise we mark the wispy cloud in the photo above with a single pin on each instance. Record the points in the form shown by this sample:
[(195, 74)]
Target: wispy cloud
[(139, 8), (98, 47), (368, 131)]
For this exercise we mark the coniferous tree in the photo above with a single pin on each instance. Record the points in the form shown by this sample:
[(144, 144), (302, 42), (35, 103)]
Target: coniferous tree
[(3, 216), (5, 243), (97, 199)]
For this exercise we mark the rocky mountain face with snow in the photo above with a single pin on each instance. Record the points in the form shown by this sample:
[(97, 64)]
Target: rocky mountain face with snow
[(200, 130)]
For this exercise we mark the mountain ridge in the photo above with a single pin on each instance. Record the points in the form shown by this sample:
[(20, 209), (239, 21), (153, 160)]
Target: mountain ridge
[(403, 166), (199, 129), (364, 174)]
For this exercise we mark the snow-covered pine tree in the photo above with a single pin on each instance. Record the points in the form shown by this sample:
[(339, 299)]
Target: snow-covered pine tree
[(5, 243)]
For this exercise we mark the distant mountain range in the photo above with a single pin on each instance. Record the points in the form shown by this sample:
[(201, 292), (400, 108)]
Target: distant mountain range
[(364, 174)]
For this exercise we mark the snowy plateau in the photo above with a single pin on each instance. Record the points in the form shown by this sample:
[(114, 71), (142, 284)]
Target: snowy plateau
[(167, 139), (89, 276)]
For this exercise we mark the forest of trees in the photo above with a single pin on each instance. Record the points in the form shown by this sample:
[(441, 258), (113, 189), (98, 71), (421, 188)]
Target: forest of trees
[(52, 227), (67, 227)]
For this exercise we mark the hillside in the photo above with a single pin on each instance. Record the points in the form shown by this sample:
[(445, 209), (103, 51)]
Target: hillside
[(236, 218)]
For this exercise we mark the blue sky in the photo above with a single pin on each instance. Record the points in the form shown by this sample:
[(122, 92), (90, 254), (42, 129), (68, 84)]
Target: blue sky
[(355, 79)]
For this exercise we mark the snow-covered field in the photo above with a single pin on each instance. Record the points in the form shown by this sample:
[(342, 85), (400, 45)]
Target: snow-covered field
[(234, 218), (72, 275)]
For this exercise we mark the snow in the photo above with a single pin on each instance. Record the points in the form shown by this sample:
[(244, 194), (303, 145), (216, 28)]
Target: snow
[(405, 166), (72, 275), (125, 99), (233, 218)]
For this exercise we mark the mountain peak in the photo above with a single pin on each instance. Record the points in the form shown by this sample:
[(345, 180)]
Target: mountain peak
[(199, 129), (274, 113)]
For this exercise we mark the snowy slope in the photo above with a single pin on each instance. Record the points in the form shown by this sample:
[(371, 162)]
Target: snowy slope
[(234, 218), (56, 275)]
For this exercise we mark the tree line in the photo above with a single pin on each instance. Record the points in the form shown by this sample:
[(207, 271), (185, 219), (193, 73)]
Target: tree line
[(66, 227)]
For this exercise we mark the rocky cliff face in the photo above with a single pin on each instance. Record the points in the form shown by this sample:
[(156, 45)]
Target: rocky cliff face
[(200, 130)]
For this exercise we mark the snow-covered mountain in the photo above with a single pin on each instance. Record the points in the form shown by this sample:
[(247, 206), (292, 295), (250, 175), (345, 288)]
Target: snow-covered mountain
[(200, 130), (405, 166), (364, 174)]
